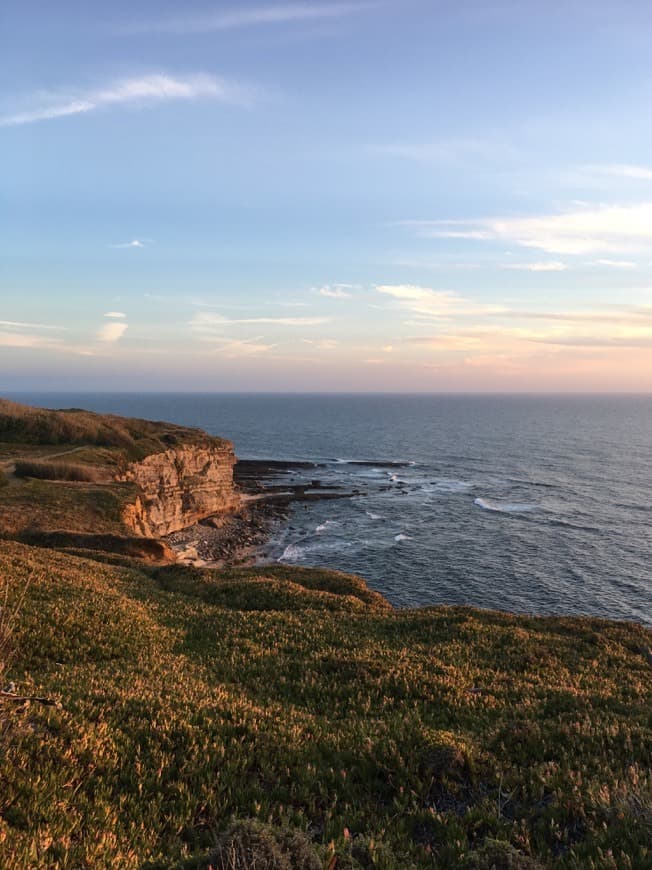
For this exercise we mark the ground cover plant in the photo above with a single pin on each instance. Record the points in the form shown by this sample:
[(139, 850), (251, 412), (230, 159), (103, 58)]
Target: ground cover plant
[(290, 717)]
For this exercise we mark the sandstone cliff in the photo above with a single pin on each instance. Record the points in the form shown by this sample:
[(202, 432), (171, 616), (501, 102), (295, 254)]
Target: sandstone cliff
[(180, 486)]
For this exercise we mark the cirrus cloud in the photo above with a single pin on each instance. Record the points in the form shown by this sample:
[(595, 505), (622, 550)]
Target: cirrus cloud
[(143, 91), (584, 230)]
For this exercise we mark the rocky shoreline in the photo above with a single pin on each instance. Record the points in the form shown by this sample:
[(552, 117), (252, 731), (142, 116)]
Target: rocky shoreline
[(242, 537)]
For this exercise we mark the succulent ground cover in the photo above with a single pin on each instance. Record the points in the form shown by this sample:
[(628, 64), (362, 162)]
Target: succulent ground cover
[(282, 717)]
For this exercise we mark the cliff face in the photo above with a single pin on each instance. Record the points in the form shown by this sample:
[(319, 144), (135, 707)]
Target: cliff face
[(180, 487)]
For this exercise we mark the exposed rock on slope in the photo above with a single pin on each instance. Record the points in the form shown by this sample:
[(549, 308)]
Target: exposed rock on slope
[(180, 487)]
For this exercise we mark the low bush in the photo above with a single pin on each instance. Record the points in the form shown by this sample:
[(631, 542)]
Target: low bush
[(69, 471)]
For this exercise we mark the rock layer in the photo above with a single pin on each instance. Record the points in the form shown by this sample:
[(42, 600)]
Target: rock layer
[(180, 487)]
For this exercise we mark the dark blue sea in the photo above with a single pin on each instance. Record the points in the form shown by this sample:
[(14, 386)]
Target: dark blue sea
[(521, 503)]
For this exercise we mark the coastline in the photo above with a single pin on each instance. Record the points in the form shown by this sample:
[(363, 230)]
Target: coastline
[(239, 539), (243, 538)]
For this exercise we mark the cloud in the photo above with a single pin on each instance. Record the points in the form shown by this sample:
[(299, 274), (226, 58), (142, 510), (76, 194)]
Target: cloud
[(135, 243), (16, 339), (237, 348), (117, 314), (615, 264), (438, 304), (111, 332), (235, 19), (618, 341), (17, 324), (19, 340), (335, 291), (585, 230), (322, 344), (621, 170), (147, 90), (552, 266), (205, 321)]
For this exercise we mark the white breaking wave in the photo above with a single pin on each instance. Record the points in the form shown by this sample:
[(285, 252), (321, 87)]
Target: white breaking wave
[(402, 537), (504, 507), (373, 516), (292, 553), (324, 526)]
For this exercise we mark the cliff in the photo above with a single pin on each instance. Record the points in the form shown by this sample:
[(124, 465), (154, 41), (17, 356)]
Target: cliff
[(81, 473), (179, 487)]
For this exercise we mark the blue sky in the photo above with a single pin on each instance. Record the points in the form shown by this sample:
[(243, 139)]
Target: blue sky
[(326, 196)]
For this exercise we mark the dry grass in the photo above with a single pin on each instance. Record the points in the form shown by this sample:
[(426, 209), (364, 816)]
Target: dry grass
[(22, 424), (43, 470), (50, 506)]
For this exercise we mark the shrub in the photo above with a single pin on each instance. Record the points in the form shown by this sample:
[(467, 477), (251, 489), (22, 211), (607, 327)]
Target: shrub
[(248, 844), (57, 471)]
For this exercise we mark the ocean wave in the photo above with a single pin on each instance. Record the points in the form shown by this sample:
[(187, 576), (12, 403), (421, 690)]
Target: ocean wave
[(373, 516), (292, 553), (377, 463), (312, 547), (324, 526), (451, 484), (402, 537), (504, 507)]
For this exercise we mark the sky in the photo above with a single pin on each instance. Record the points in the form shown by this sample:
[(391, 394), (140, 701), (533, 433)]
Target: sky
[(326, 196)]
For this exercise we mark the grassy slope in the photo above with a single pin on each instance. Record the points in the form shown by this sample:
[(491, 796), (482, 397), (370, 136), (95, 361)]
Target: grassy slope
[(293, 696), (101, 443), (132, 438)]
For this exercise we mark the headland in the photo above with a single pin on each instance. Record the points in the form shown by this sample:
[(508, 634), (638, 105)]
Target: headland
[(163, 707)]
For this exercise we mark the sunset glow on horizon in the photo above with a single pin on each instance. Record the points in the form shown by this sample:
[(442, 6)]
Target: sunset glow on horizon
[(327, 196)]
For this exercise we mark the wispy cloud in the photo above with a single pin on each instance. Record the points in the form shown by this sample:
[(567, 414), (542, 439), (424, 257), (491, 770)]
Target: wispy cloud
[(205, 321), (621, 170), (584, 230), (31, 341), (18, 324), (336, 291), (143, 91), (20, 339), (236, 348), (615, 264), (235, 19), (552, 266), (111, 332), (436, 304), (116, 314), (134, 243), (322, 344)]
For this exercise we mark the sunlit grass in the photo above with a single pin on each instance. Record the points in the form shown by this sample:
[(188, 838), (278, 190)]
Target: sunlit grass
[(296, 698)]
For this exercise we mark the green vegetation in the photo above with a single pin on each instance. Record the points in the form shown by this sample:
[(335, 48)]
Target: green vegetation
[(285, 718)]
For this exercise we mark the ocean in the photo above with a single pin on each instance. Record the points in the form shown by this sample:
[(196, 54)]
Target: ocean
[(531, 504)]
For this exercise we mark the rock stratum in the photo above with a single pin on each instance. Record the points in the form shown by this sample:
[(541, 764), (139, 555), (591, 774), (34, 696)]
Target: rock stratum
[(180, 487)]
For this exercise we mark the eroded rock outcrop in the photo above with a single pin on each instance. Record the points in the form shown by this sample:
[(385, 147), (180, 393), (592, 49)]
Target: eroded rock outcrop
[(179, 487)]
